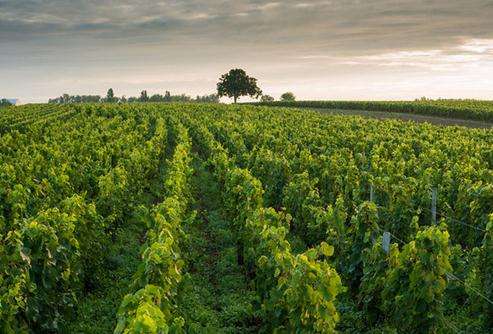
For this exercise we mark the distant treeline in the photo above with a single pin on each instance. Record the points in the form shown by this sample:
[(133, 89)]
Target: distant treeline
[(144, 97), (5, 103)]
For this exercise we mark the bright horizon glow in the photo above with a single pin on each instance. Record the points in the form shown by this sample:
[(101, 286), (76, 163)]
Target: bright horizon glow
[(319, 50)]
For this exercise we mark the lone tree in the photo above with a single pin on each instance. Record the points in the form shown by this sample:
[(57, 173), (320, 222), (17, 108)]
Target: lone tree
[(237, 83), (288, 97)]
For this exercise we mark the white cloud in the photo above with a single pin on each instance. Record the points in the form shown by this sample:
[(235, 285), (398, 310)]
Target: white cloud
[(478, 46), (200, 16), (404, 55), (304, 5), (268, 6), (284, 41)]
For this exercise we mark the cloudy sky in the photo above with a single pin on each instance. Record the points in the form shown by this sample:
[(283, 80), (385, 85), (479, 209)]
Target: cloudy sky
[(338, 49)]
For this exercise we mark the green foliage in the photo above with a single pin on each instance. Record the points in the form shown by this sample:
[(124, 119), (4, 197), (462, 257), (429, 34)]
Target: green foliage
[(334, 226), (143, 96), (302, 200), (66, 99), (487, 249), (306, 292), (279, 273), (297, 291), (5, 103), (110, 96), (43, 264), (363, 232), (243, 196), (287, 97), (55, 213), (293, 188), (273, 171), (151, 308), (414, 290), (237, 83), (147, 312), (267, 98), (316, 164), (375, 264), (466, 109), (485, 275)]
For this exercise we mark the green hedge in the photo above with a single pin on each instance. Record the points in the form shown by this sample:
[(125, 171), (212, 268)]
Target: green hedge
[(462, 109)]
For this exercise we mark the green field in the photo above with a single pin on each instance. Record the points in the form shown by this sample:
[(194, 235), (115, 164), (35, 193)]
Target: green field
[(461, 109), (208, 218)]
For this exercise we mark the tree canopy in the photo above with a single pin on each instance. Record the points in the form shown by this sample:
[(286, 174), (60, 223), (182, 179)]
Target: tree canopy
[(5, 103), (110, 96), (144, 97), (288, 97), (266, 98), (237, 83)]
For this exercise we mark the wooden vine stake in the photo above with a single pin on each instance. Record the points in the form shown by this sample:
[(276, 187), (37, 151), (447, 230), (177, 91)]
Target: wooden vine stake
[(386, 242)]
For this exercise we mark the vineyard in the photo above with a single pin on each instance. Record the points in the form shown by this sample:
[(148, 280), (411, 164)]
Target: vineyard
[(198, 218), (459, 109)]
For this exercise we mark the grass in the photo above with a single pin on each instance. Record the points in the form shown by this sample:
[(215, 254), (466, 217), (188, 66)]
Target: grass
[(216, 296), (95, 312)]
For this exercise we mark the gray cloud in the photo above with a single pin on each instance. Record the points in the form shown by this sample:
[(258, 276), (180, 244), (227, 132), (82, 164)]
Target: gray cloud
[(351, 24), (279, 39)]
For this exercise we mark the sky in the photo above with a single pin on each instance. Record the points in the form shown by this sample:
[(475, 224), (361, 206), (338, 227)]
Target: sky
[(338, 49)]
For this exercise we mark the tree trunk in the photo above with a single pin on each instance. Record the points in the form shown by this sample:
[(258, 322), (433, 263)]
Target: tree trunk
[(236, 98), (239, 252)]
